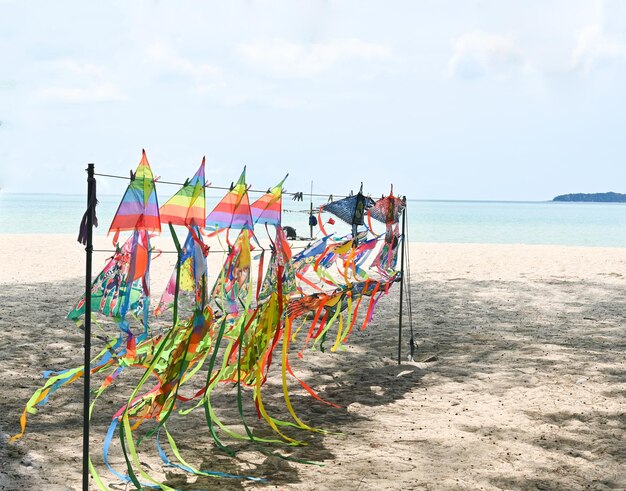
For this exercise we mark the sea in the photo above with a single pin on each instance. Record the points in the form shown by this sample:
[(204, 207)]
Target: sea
[(498, 222)]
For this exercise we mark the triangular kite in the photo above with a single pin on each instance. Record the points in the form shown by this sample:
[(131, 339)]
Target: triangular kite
[(139, 209), (234, 209), (387, 209), (188, 206), (351, 209), (267, 209)]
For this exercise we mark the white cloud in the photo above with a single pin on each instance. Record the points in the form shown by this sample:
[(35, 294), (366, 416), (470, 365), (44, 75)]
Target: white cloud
[(168, 59), (72, 81), (78, 69), (211, 82), (595, 49), (286, 59), (477, 54), (204, 77), (105, 92)]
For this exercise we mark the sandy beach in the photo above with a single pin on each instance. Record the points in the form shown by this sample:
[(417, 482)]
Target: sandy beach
[(524, 387)]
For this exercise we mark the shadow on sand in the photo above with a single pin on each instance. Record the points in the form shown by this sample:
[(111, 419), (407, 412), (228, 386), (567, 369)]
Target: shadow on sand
[(478, 331)]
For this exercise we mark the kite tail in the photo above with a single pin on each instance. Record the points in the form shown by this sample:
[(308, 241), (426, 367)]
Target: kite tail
[(185, 466), (55, 382), (320, 337), (126, 437), (285, 364), (340, 330), (212, 380)]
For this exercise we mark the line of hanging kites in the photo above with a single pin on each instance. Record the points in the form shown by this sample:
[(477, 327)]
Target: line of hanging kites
[(234, 326)]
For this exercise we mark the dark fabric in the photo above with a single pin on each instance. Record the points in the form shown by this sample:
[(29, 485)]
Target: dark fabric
[(91, 209), (351, 209)]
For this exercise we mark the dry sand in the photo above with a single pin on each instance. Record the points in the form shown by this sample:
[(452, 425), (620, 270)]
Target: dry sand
[(526, 390)]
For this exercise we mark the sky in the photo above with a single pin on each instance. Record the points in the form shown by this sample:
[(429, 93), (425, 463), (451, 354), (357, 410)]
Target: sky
[(478, 100)]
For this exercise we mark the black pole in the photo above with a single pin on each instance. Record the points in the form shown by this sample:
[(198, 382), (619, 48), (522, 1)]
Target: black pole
[(91, 189), (401, 284), (311, 212)]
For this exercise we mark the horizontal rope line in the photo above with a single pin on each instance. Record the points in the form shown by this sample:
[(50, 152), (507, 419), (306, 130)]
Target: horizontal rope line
[(223, 188)]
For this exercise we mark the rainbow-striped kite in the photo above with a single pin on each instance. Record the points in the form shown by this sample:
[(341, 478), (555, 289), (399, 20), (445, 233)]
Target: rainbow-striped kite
[(234, 209), (139, 209), (267, 209), (188, 206)]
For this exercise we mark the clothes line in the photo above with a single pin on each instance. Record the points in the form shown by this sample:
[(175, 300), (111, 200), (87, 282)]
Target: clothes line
[(300, 195)]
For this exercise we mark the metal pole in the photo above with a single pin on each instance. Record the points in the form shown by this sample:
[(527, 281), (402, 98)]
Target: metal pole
[(401, 285), (91, 181), (311, 211)]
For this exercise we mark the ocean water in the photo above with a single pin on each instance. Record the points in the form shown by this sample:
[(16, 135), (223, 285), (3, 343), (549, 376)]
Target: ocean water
[(501, 222)]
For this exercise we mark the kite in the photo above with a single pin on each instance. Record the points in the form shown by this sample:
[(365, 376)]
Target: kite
[(189, 275), (351, 209), (121, 284), (233, 211), (387, 210), (267, 209), (188, 206), (139, 209)]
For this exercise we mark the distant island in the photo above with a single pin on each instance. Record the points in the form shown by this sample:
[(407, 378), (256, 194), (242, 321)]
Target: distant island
[(593, 197)]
